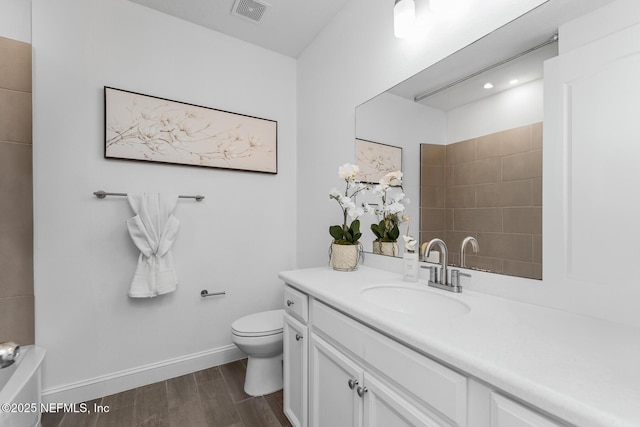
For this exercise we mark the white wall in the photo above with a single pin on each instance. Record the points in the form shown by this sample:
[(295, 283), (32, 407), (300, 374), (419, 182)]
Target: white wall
[(355, 58), (594, 26), (15, 20), (236, 240), (519, 106)]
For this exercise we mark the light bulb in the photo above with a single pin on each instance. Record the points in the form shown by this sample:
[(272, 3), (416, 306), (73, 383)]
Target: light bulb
[(488, 85), (404, 18)]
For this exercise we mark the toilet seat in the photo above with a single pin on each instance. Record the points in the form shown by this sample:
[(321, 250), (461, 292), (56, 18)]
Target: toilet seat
[(259, 324)]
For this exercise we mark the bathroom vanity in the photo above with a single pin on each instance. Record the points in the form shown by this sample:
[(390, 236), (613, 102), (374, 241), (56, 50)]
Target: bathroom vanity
[(366, 348)]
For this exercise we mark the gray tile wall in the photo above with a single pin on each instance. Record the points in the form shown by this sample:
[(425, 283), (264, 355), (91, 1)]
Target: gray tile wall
[(16, 194), (433, 213), (492, 190)]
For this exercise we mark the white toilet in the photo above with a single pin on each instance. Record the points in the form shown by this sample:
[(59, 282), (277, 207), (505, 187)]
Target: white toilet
[(259, 335)]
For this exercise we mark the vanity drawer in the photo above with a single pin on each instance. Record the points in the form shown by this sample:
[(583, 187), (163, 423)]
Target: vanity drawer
[(296, 303), (437, 386)]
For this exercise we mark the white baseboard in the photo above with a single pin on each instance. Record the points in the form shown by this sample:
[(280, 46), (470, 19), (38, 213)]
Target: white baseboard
[(128, 379)]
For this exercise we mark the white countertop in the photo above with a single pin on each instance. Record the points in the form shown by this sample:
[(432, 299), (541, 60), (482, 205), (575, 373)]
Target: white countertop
[(583, 370)]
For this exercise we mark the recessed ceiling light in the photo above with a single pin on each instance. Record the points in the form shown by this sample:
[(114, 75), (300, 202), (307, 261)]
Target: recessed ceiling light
[(514, 81), (488, 86)]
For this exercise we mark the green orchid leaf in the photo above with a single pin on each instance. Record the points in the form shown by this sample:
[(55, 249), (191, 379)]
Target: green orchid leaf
[(336, 232), (394, 233), (376, 232)]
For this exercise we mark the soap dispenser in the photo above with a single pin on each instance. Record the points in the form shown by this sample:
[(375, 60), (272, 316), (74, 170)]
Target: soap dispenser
[(410, 260)]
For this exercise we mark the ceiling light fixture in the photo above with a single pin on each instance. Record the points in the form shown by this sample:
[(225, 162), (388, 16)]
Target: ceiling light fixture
[(404, 18), (488, 85), (514, 81)]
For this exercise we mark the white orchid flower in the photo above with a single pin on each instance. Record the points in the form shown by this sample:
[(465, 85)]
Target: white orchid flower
[(380, 190), (409, 243), (334, 193), (346, 201), (354, 212), (348, 171), (395, 207), (392, 178), (397, 197)]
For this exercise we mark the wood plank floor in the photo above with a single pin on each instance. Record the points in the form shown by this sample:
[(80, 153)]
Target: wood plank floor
[(214, 397)]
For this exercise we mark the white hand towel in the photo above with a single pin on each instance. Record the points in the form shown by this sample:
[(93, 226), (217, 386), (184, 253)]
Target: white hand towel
[(153, 230)]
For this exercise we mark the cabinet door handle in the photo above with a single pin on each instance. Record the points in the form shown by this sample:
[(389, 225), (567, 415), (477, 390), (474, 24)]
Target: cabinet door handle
[(361, 391), (289, 303), (352, 383), (299, 337)]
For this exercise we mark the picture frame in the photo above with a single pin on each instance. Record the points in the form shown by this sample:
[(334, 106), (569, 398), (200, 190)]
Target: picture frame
[(147, 128), (376, 160)]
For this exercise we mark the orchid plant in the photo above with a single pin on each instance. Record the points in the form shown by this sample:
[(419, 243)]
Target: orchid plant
[(348, 233), (387, 230)]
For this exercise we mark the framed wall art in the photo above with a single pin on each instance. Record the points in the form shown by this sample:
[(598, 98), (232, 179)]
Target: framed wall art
[(147, 128), (376, 160)]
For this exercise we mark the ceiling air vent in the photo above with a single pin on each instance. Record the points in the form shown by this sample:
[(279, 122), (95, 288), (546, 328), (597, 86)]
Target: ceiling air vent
[(251, 10)]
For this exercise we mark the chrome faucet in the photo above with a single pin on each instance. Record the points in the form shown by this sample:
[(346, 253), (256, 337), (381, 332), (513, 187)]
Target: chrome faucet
[(474, 246), (442, 277), (442, 281)]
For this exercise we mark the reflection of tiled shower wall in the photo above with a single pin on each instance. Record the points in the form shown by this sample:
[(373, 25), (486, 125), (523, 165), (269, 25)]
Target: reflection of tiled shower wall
[(16, 194), (490, 188)]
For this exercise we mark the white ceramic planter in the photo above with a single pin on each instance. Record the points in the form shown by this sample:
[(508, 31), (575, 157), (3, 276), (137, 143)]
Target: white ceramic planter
[(385, 248), (344, 257)]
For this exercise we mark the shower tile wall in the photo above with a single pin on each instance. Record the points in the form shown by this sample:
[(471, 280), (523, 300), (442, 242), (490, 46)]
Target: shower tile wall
[(16, 194), (490, 188), (432, 192)]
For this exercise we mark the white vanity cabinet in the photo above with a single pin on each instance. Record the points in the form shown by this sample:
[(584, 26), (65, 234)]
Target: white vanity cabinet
[(359, 377), (344, 394), (341, 372), (295, 356)]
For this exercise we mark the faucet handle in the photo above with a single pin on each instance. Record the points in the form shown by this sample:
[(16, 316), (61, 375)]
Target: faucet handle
[(455, 277), (433, 272)]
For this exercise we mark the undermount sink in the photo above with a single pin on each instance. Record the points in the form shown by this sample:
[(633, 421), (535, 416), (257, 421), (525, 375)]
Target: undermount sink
[(414, 301)]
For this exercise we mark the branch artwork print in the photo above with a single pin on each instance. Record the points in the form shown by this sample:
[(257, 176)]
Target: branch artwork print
[(142, 127), (376, 160)]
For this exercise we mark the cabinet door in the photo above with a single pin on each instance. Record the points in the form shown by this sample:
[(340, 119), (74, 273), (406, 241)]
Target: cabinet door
[(295, 371), (334, 379), (507, 413), (383, 408)]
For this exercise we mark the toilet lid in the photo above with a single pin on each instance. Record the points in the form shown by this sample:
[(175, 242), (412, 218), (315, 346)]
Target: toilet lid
[(259, 324)]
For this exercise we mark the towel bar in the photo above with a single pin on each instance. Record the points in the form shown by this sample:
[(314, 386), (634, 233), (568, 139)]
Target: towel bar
[(205, 293), (102, 194)]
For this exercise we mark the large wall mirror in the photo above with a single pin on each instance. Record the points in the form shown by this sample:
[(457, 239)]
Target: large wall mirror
[(474, 122)]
